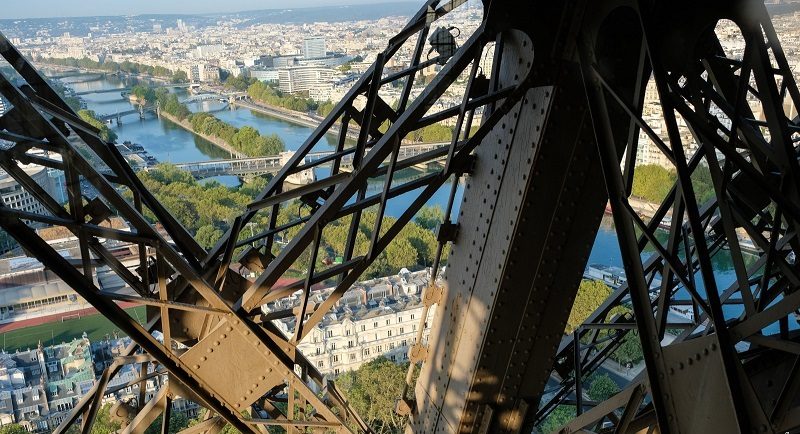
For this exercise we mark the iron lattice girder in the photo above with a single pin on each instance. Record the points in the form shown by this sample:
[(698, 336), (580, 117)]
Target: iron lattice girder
[(564, 100), (755, 191), (193, 293)]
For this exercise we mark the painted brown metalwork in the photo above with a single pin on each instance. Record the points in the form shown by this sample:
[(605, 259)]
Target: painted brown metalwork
[(557, 126)]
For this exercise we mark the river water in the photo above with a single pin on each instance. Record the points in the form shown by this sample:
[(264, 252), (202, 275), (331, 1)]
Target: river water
[(169, 143)]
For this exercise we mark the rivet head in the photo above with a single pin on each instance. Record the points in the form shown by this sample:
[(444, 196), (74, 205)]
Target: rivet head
[(196, 366), (210, 350)]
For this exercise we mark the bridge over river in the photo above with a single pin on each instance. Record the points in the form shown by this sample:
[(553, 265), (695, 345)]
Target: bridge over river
[(244, 167), (141, 110)]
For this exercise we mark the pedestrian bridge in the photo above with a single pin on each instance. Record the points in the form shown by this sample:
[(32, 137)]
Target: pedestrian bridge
[(244, 167)]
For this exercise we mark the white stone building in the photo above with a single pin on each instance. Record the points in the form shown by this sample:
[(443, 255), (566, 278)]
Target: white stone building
[(375, 318)]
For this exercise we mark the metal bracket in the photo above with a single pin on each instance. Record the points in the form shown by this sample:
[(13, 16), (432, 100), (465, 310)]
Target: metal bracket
[(446, 232)]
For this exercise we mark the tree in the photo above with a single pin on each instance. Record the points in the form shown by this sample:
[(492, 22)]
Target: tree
[(266, 93), (557, 418), (702, 183), (103, 423), (325, 108), (246, 140), (177, 422), (13, 428), (239, 82), (429, 217), (591, 294), (179, 76), (630, 351), (207, 236), (90, 117), (126, 66), (652, 182), (373, 390), (602, 387), (400, 253), (144, 94), (169, 103)]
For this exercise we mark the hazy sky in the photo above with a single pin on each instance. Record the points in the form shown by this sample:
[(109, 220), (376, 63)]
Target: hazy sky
[(79, 8)]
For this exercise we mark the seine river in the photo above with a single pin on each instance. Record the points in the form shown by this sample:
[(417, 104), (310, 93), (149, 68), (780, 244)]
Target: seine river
[(169, 143)]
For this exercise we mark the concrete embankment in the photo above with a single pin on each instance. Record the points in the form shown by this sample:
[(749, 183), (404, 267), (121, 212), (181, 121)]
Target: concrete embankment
[(214, 140)]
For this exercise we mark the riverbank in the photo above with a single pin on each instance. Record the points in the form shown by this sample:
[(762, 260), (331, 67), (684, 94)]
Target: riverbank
[(43, 65), (291, 116), (214, 140), (301, 119)]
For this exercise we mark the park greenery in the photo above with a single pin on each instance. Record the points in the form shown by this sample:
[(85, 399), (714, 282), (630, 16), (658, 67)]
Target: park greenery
[(13, 428), (557, 418), (266, 93), (602, 387), (196, 204), (239, 82), (414, 247), (702, 184), (652, 182), (430, 217), (325, 108), (126, 66), (629, 352), (246, 140), (591, 294), (103, 423), (72, 101), (179, 76), (144, 94), (207, 210), (373, 390), (433, 133), (90, 117), (170, 104), (177, 422)]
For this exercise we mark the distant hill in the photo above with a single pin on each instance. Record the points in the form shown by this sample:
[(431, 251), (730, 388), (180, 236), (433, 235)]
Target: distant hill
[(98, 25), (783, 8), (330, 13)]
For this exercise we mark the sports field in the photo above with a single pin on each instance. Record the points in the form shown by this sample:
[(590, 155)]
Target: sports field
[(65, 329)]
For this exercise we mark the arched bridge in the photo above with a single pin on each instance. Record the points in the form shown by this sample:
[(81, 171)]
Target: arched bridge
[(141, 110), (272, 164), (120, 90)]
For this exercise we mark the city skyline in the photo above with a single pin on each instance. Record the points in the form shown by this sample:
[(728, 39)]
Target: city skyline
[(91, 8)]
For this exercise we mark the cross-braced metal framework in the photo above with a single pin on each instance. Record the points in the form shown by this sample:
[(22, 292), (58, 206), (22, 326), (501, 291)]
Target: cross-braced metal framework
[(543, 140), (215, 348), (732, 366)]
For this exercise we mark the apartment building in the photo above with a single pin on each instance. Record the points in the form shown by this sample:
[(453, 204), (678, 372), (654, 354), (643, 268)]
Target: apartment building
[(380, 317)]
